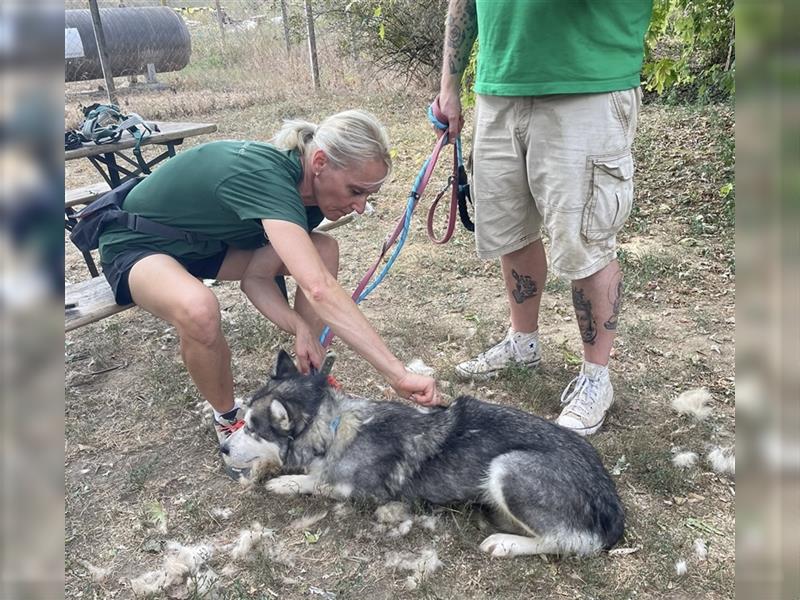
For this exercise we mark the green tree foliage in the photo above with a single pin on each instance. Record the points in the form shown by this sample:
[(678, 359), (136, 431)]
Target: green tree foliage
[(404, 36), (690, 50), (689, 47)]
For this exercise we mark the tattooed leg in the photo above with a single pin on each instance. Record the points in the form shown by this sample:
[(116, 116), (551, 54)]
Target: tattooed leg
[(597, 299), (526, 287), (615, 297), (583, 310), (524, 273)]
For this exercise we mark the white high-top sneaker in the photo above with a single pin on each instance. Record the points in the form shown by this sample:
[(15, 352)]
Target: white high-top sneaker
[(587, 397), (515, 349)]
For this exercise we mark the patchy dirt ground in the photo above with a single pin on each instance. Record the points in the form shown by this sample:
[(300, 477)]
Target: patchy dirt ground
[(141, 466)]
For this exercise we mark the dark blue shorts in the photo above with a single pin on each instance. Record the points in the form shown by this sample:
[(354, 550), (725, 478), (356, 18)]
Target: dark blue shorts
[(117, 271)]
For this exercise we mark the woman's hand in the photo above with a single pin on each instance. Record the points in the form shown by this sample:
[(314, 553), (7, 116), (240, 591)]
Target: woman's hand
[(332, 305), (307, 348), (418, 388)]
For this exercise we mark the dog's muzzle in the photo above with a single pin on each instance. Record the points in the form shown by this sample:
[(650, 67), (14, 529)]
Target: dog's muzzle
[(242, 451)]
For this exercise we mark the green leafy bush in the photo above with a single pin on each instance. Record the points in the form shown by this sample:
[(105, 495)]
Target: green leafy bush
[(690, 50), (689, 46)]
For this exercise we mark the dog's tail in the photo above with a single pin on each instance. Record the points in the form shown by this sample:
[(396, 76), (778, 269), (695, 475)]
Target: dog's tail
[(610, 518)]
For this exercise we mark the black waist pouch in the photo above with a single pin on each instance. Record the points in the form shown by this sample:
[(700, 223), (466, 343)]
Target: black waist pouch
[(92, 220), (107, 210)]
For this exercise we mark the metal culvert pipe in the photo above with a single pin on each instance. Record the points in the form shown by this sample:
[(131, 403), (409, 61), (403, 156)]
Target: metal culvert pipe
[(134, 37)]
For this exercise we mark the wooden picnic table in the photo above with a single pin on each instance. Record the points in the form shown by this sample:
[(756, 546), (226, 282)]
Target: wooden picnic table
[(104, 156), (116, 164)]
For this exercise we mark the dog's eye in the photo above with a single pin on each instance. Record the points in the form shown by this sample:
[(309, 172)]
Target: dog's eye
[(252, 423)]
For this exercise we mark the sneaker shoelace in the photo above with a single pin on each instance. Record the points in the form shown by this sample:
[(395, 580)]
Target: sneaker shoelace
[(584, 393), (502, 349), (506, 348)]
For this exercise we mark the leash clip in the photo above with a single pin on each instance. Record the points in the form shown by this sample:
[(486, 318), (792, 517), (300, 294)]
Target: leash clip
[(450, 181), (327, 364)]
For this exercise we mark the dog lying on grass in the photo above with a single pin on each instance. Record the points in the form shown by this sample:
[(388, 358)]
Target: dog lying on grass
[(543, 486)]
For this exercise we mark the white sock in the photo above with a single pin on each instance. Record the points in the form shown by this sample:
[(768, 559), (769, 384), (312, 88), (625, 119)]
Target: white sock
[(217, 414)]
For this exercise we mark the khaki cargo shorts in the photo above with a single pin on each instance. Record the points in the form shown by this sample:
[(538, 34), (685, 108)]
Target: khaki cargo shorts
[(562, 163)]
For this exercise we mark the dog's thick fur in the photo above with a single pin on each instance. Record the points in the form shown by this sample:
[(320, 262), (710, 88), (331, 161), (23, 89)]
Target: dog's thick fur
[(544, 486)]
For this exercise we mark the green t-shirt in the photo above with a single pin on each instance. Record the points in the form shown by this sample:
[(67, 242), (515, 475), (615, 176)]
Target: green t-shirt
[(540, 47), (220, 189)]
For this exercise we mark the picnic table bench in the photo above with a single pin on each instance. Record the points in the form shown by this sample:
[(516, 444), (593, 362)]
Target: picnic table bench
[(85, 195), (89, 301)]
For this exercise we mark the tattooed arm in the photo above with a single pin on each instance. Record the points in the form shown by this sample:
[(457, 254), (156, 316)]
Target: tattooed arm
[(459, 37)]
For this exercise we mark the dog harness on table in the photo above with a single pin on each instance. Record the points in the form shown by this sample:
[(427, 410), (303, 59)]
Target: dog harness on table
[(105, 124)]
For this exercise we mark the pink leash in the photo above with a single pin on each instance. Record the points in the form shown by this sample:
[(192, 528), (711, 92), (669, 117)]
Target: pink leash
[(403, 222)]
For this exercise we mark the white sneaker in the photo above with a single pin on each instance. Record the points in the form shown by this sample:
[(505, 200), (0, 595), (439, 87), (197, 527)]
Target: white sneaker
[(232, 439), (515, 349), (587, 397)]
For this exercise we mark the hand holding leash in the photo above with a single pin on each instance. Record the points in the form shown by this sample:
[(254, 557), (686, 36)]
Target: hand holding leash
[(448, 122), (446, 108)]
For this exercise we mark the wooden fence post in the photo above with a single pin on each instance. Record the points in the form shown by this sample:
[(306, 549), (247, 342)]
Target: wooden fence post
[(312, 44), (286, 33), (220, 21), (102, 53)]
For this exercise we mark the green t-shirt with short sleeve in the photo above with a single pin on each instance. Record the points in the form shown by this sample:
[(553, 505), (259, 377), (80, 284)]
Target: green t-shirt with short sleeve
[(220, 189), (540, 47)]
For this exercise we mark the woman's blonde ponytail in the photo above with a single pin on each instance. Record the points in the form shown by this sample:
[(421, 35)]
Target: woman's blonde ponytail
[(348, 139)]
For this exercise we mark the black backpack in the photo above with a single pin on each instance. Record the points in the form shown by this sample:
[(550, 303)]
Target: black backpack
[(107, 210)]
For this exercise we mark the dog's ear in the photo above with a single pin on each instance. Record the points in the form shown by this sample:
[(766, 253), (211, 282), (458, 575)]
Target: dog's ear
[(279, 416), (284, 366)]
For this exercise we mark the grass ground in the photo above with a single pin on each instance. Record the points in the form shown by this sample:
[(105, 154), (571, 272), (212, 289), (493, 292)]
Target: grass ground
[(141, 465)]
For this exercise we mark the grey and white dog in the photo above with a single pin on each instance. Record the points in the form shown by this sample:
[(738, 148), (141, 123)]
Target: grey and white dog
[(543, 486)]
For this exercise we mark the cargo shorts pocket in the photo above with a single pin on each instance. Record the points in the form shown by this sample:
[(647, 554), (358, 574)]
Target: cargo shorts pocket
[(609, 198)]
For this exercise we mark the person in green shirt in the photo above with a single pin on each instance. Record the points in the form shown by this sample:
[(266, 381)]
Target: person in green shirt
[(557, 101), (255, 205)]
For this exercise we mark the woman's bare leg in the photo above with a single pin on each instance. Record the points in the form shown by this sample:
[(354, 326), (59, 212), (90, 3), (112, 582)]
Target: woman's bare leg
[(163, 287)]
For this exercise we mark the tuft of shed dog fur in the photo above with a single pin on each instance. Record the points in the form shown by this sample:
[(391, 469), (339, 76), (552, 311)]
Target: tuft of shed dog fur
[(179, 565), (700, 548), (693, 402), (684, 460), (723, 460), (421, 566)]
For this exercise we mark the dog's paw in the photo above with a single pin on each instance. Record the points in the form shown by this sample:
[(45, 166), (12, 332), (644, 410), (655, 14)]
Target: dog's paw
[(508, 544), (501, 544), (262, 470), (290, 485)]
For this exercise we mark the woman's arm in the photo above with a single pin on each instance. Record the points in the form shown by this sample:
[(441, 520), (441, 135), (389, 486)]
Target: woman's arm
[(259, 285), (335, 307)]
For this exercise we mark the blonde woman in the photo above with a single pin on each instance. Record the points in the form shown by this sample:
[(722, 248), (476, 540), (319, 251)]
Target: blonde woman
[(254, 205)]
